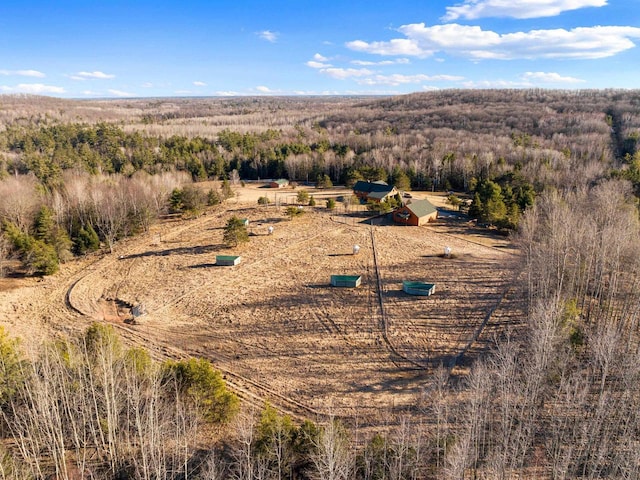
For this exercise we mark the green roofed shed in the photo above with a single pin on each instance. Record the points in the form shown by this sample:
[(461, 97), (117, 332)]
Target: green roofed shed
[(227, 260), (346, 280), (418, 288)]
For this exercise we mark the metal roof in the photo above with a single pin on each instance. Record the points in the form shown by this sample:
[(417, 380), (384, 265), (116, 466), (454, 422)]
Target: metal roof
[(421, 208), (369, 187), (380, 195)]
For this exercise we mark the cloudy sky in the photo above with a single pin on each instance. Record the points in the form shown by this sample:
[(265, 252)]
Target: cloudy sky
[(130, 48)]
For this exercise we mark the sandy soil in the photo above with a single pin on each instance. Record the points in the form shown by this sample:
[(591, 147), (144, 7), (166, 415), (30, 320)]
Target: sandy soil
[(273, 324)]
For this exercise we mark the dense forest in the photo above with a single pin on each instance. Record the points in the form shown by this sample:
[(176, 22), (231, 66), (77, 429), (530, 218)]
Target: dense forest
[(550, 137), (554, 399)]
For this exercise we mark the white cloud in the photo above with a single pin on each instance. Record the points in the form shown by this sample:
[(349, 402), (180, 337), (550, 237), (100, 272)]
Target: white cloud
[(268, 35), (365, 76), (477, 44), (549, 77), (227, 93), (527, 80), (473, 9), (96, 74), (120, 93), (147, 85), (396, 46), (263, 89), (90, 93), (366, 63), (320, 58), (371, 78), (344, 73), (23, 73), (199, 84), (34, 88), (495, 84), (387, 92), (398, 79), (314, 64)]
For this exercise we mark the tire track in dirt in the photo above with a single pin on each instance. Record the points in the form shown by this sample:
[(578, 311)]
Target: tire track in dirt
[(249, 390), (112, 265), (117, 268), (252, 269), (466, 333), (295, 250), (383, 316), (356, 325), (122, 271), (241, 271)]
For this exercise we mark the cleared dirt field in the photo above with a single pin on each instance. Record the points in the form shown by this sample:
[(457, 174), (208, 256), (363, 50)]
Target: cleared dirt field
[(273, 324)]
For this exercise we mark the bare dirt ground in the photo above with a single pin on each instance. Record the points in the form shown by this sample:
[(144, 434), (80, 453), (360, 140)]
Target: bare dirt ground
[(273, 324)]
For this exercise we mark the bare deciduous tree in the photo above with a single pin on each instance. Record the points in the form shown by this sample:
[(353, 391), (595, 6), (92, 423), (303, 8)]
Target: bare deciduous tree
[(244, 462), (94, 406), (4, 252), (19, 200), (333, 458)]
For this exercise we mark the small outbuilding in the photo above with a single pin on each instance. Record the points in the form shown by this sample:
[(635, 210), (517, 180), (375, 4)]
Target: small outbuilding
[(418, 288), (280, 183), (227, 260), (351, 281), (416, 213)]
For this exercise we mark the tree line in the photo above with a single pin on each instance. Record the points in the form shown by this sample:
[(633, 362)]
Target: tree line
[(48, 152), (450, 140), (45, 227)]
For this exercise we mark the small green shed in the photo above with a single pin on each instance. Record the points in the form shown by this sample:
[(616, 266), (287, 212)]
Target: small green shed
[(418, 288), (346, 280), (227, 260)]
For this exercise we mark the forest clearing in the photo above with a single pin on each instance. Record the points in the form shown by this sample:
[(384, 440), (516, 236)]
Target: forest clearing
[(273, 325)]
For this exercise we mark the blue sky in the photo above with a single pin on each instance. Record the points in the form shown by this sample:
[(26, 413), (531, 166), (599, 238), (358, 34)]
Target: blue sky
[(129, 48)]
